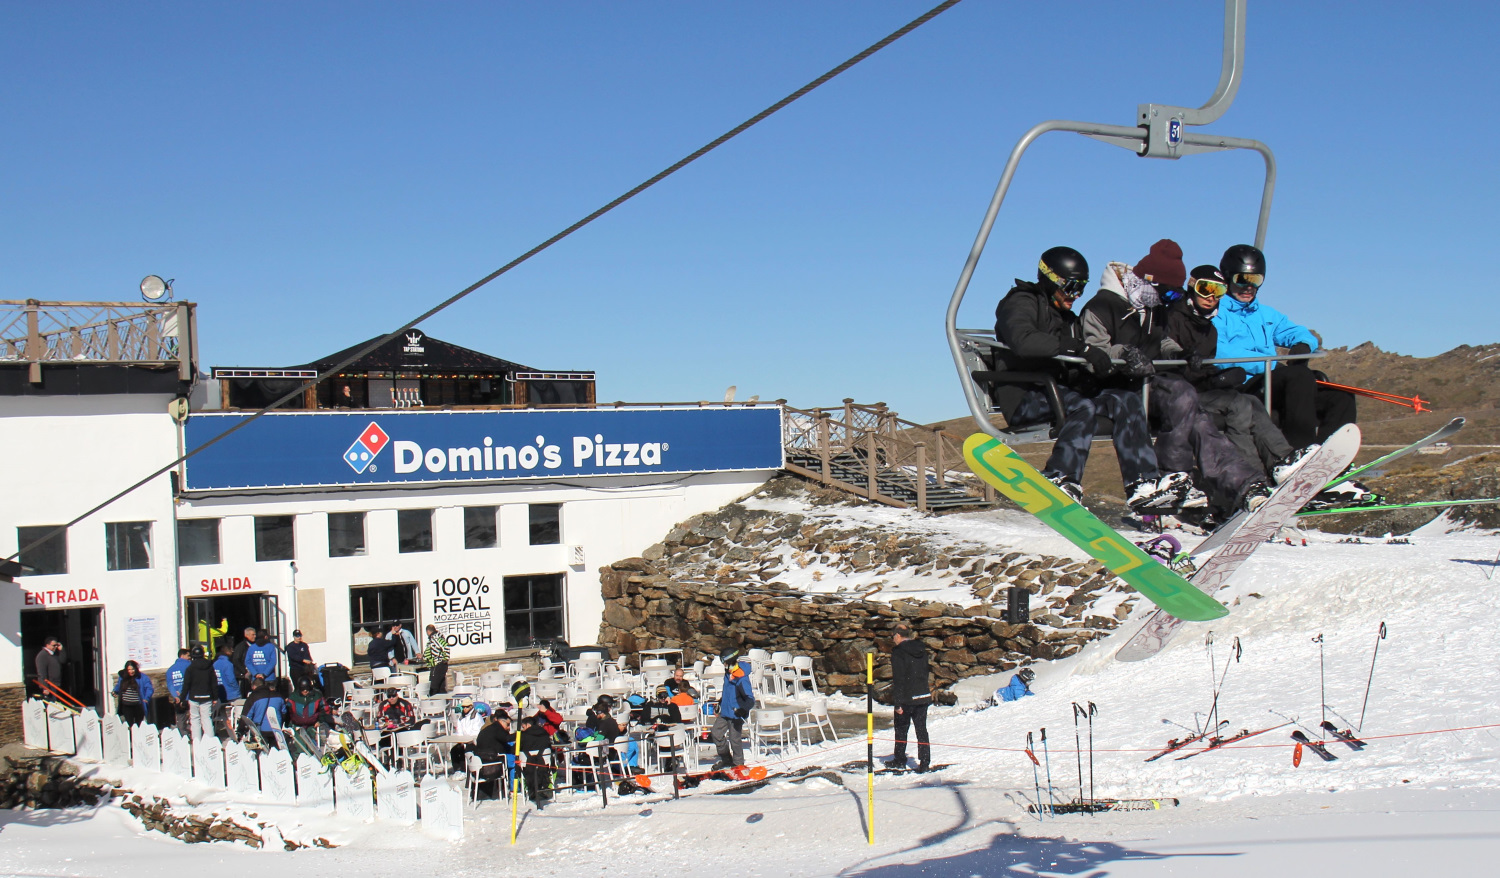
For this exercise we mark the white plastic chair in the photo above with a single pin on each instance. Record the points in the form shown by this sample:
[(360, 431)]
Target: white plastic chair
[(816, 717), (410, 750), (781, 664), (771, 725), (473, 766), (508, 670), (802, 672), (491, 680), (380, 675)]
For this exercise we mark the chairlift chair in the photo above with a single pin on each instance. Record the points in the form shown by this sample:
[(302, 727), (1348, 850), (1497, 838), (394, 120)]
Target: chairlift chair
[(1160, 132)]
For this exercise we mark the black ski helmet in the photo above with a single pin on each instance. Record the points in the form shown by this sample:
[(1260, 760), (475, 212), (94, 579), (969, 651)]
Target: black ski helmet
[(1026, 675), (1059, 266), (1242, 259)]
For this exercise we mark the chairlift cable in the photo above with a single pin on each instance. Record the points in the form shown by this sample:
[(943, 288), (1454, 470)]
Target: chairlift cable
[(456, 297)]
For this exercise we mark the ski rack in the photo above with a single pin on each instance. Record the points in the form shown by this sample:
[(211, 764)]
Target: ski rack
[(1160, 132)]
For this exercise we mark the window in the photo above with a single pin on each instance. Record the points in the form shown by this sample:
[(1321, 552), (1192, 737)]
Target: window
[(374, 608), (346, 534), (479, 527), (273, 538), (546, 523), (414, 530), (197, 541), (49, 557), (127, 545), (533, 609)]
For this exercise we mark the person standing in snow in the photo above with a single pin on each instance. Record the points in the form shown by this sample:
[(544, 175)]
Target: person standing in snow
[(174, 689), (299, 659), (728, 732), (435, 655), (1036, 323), (132, 694), (911, 695), (200, 687)]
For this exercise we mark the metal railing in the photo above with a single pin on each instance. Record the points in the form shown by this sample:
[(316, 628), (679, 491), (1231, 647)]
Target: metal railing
[(117, 333), (871, 452)]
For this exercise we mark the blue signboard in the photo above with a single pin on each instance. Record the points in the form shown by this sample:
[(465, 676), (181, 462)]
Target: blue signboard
[(317, 449)]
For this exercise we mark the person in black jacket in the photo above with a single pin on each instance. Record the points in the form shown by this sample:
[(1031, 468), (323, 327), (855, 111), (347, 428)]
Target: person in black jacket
[(911, 695), (299, 659), (1127, 319), (1246, 422), (536, 744), (49, 669), (200, 687), (379, 652), (494, 744), (238, 658), (1036, 324)]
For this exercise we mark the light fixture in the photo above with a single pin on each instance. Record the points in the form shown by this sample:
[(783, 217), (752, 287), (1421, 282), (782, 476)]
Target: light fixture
[(154, 289)]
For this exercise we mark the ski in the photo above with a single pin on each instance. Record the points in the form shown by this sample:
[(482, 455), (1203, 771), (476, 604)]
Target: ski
[(1001, 467), (1246, 533), (1420, 504), (1442, 433), (354, 732), (1218, 743), (1174, 744), (1096, 806), (1344, 735), (1317, 747)]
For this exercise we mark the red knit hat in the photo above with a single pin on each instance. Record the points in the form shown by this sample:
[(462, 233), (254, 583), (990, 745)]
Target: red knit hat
[(1163, 265)]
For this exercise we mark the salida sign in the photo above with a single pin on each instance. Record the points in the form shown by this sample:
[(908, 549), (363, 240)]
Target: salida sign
[(225, 583), (461, 610)]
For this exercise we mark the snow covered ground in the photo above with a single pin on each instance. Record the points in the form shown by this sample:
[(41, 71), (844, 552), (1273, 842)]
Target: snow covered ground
[(1421, 799)]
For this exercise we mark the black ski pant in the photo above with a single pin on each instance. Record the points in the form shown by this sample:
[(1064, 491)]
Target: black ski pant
[(437, 679), (1189, 440), (1308, 413), (1071, 452), (1248, 425), (908, 715)]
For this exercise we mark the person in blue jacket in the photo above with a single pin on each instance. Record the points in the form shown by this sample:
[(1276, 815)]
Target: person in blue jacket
[(229, 683), (1018, 687), (174, 689), (734, 708), (133, 691), (262, 657), (266, 709), (1248, 327)]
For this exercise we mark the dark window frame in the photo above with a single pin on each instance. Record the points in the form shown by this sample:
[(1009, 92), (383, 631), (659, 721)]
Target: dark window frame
[(264, 535), (200, 526), (347, 550), (123, 548), (475, 530), (540, 530), (542, 619), (39, 558), (409, 543)]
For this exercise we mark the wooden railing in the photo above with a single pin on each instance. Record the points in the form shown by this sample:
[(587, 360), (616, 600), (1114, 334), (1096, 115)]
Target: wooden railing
[(884, 450), (98, 332)]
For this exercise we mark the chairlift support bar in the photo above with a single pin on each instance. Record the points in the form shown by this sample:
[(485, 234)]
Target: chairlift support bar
[(1160, 134)]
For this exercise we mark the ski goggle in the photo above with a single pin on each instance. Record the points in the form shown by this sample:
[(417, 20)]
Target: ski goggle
[(1209, 287), (1071, 287), (1247, 280)]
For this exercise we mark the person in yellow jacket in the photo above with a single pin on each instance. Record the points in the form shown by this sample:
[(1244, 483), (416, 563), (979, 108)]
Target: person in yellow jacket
[(209, 636)]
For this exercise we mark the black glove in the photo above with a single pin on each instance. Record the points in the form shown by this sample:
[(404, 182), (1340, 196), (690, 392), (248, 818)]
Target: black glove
[(1137, 364), (1227, 379), (1300, 347), (741, 712), (1071, 346), (1099, 361), (1194, 362)]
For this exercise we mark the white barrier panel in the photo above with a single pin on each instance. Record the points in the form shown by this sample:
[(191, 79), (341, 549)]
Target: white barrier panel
[(34, 723), (90, 736), (60, 730), (116, 741), (176, 754), (276, 779), (397, 800), (354, 795), (208, 761), (314, 784), (442, 808), (145, 743), (240, 772)]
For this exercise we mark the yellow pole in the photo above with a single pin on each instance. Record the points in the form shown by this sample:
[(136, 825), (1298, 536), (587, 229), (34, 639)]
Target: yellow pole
[(870, 740), (515, 784)]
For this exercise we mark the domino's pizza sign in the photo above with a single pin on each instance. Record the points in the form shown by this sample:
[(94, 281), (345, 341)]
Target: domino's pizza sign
[(313, 449)]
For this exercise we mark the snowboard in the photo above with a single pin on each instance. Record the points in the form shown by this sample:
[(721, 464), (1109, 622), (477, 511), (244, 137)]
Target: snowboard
[(1008, 473), (1233, 549)]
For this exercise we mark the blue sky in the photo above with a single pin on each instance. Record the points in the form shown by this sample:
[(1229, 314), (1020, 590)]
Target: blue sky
[(316, 174)]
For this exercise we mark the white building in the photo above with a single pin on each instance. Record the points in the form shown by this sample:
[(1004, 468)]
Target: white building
[(487, 521)]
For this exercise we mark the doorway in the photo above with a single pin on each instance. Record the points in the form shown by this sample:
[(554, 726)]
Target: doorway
[(224, 618), (82, 635)]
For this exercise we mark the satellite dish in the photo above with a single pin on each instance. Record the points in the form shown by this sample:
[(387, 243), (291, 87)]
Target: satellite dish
[(154, 289)]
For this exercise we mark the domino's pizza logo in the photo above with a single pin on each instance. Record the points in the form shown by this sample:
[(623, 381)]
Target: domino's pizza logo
[(362, 453)]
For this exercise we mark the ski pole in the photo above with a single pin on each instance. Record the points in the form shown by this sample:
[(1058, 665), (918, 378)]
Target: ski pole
[(1035, 780), (1371, 678), (1047, 757), (1213, 711), (1178, 725), (1415, 403), (1322, 688), (1092, 710), (1078, 748), (1213, 675)]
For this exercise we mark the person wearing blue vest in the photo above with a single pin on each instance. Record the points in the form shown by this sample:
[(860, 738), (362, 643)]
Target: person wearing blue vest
[(262, 657), (229, 682), (738, 698), (174, 689), (1018, 687)]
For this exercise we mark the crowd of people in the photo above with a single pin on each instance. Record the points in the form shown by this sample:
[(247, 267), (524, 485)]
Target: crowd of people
[(1209, 448)]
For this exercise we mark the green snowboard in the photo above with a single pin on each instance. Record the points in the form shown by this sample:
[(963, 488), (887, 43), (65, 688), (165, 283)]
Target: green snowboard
[(1001, 467)]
